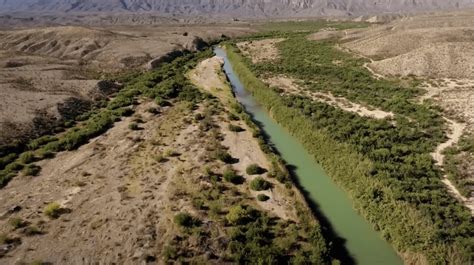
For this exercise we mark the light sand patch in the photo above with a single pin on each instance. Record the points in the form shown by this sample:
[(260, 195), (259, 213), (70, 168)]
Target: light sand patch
[(260, 50), (289, 86), (208, 76)]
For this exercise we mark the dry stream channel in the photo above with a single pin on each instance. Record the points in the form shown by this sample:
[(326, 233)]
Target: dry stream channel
[(364, 244)]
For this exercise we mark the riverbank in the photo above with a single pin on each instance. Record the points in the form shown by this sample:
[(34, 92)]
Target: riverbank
[(405, 226)]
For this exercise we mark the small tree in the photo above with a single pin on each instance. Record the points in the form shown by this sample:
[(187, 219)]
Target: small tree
[(259, 184), (254, 169)]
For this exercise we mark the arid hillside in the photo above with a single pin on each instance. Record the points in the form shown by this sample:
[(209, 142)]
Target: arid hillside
[(49, 75)]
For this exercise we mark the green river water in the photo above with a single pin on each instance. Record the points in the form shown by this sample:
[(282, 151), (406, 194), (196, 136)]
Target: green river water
[(364, 244)]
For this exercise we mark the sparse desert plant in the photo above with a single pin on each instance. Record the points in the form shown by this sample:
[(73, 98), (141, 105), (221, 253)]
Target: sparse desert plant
[(233, 117), (17, 222), (223, 156), (254, 169), (259, 184), (235, 128), (53, 210), (160, 158), (237, 215), (153, 110), (27, 157), (133, 126), (262, 197), (31, 231), (185, 220), (231, 176), (31, 170)]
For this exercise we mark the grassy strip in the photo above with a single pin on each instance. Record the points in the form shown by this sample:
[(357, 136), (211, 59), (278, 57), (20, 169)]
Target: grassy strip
[(411, 230)]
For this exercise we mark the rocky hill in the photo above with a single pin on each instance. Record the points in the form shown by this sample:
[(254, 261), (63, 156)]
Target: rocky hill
[(244, 8)]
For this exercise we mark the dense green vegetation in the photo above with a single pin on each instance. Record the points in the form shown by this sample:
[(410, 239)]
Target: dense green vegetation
[(164, 84), (386, 167)]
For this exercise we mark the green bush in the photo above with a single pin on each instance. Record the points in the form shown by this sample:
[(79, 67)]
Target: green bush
[(254, 169), (231, 176), (133, 126), (17, 222), (27, 157), (53, 210), (238, 215), (262, 197), (259, 184), (31, 170), (235, 128), (223, 156), (186, 220)]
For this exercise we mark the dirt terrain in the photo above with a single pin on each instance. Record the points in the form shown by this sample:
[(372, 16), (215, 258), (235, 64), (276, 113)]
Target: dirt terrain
[(119, 193), (44, 69), (290, 86), (430, 46), (260, 50)]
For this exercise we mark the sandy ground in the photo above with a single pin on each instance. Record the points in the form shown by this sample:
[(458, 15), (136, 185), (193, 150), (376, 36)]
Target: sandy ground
[(290, 86), (260, 50)]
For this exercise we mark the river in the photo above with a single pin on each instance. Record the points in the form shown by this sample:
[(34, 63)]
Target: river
[(362, 242)]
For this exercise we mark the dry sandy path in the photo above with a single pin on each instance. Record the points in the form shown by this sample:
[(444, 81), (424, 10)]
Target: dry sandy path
[(289, 86), (455, 132)]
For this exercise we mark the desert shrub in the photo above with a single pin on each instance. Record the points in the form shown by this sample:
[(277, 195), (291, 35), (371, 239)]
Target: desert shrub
[(160, 158), (17, 222), (7, 159), (223, 156), (44, 154), (153, 110), (31, 170), (133, 126), (262, 197), (235, 128), (32, 231), (231, 176), (254, 169), (186, 220), (53, 210), (259, 184), (233, 117), (238, 215), (36, 143), (27, 157)]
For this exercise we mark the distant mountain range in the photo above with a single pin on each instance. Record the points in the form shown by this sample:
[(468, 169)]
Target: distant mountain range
[(237, 8)]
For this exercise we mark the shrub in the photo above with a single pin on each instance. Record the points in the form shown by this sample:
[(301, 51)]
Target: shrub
[(32, 231), (223, 156), (259, 184), (233, 117), (31, 170), (231, 176), (237, 215), (235, 128), (262, 197), (160, 158), (133, 126), (254, 169), (27, 157), (17, 222), (185, 220), (153, 110), (53, 210)]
